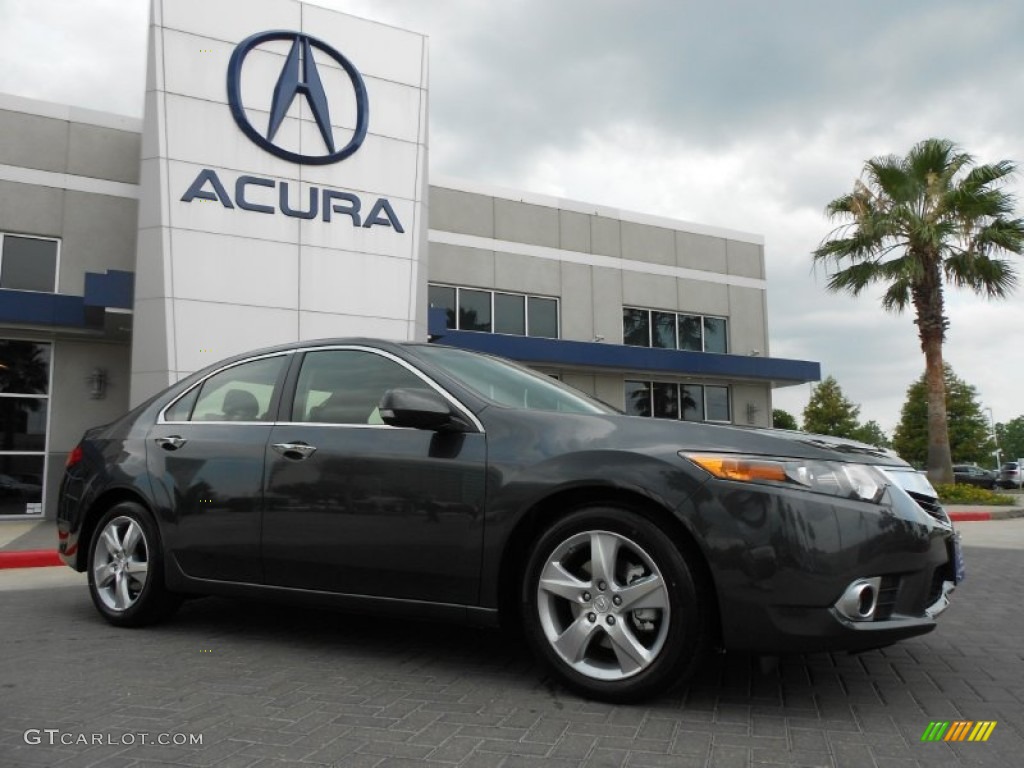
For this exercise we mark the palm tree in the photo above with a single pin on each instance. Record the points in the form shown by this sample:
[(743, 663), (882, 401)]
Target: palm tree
[(914, 224)]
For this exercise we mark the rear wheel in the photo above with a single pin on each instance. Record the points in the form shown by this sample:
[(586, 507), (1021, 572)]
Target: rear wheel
[(611, 605), (126, 569)]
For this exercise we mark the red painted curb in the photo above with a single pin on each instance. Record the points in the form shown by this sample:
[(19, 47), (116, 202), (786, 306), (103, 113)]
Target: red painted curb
[(971, 516), (32, 558)]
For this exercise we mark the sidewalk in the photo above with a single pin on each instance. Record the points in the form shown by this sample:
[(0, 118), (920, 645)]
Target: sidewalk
[(960, 513), (28, 544)]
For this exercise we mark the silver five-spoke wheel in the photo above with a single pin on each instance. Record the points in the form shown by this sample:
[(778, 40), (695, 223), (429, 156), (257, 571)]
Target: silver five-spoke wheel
[(120, 564), (603, 605)]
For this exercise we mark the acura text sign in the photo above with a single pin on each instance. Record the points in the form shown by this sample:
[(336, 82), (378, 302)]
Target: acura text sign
[(283, 183)]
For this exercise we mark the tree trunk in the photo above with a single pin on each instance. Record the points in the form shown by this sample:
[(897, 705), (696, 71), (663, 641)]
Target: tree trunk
[(940, 461)]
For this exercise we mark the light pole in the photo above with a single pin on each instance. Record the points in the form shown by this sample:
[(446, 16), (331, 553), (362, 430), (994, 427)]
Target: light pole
[(995, 438)]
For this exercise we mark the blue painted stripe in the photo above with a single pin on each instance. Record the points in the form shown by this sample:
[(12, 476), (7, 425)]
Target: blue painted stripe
[(113, 289), (583, 354)]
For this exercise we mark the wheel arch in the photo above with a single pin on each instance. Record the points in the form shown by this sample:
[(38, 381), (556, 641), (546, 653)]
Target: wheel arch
[(554, 507), (104, 502)]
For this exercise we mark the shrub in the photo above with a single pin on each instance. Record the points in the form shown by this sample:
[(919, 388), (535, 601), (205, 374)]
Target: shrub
[(971, 494)]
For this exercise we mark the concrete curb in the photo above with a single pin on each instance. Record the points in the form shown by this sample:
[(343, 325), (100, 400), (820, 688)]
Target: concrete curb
[(991, 513), (30, 558)]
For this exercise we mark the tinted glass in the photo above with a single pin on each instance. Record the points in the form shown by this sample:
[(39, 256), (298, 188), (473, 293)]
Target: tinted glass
[(509, 314), (443, 296), (509, 384), (28, 264), (638, 398), (663, 326), (718, 403), (23, 423), (24, 368), (716, 339), (21, 485), (689, 333), (636, 327), (182, 409), (543, 318), (345, 386), (240, 393), (474, 310), (693, 402), (666, 400)]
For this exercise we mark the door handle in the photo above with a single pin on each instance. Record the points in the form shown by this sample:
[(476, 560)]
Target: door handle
[(294, 451), (172, 443)]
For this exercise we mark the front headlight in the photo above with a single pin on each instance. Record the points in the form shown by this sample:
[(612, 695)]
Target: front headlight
[(836, 478)]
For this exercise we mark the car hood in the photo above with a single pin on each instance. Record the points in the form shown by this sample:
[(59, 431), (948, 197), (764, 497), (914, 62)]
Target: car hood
[(564, 431)]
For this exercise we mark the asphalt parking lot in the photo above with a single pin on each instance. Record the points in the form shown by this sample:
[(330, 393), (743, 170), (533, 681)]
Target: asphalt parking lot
[(269, 686)]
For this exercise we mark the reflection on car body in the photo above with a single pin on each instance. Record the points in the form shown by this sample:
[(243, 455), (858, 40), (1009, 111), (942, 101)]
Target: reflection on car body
[(438, 482)]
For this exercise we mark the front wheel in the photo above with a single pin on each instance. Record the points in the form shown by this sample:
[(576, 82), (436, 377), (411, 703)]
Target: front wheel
[(126, 568), (611, 605)]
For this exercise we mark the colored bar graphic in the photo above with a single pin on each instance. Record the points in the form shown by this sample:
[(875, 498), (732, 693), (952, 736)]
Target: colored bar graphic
[(958, 730)]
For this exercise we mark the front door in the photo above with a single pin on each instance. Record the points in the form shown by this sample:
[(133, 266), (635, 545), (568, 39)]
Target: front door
[(358, 507)]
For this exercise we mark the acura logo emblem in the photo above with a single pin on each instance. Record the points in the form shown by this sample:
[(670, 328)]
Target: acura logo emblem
[(299, 78)]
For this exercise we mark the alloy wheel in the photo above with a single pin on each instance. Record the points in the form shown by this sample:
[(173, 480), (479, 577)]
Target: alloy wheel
[(120, 563)]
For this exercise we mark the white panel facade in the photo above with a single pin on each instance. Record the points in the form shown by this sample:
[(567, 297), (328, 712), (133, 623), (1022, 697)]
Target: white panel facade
[(240, 247)]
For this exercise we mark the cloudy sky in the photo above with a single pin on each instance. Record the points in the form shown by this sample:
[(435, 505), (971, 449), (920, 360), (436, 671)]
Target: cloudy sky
[(744, 114)]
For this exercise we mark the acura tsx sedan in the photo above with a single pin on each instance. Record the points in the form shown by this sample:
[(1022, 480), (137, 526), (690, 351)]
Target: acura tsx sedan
[(432, 481)]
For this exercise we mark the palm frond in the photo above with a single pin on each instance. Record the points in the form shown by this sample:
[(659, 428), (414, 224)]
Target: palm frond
[(993, 278), (897, 296)]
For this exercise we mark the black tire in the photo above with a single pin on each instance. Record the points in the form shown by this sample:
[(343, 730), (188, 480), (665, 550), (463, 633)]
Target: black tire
[(124, 593), (608, 665)]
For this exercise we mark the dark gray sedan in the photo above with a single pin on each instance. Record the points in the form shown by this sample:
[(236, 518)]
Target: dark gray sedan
[(436, 482)]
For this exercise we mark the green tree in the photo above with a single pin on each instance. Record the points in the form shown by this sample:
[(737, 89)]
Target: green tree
[(783, 419), (872, 434), (1010, 437), (828, 412), (968, 428), (914, 224)]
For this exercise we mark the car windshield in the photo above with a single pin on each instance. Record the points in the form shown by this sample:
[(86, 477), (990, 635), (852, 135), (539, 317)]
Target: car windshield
[(509, 384)]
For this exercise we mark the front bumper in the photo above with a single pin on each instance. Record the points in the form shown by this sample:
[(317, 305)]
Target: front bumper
[(782, 559)]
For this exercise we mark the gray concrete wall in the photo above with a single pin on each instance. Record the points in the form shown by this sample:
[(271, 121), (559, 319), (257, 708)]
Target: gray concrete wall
[(97, 233), (72, 411)]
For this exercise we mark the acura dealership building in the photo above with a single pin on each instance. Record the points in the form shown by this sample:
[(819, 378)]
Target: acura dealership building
[(277, 189)]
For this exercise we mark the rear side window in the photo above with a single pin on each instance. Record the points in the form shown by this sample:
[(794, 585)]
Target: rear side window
[(240, 393)]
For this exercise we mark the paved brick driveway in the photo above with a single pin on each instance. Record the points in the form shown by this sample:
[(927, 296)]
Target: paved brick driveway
[(269, 686)]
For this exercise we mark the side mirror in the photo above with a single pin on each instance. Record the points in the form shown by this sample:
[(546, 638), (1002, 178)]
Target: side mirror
[(419, 409)]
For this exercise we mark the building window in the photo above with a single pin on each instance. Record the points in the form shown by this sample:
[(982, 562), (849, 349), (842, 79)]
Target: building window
[(672, 330), (473, 309), (24, 413), (28, 263), (669, 400)]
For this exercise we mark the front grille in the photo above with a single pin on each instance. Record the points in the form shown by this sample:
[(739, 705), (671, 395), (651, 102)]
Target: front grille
[(930, 505), (888, 591)]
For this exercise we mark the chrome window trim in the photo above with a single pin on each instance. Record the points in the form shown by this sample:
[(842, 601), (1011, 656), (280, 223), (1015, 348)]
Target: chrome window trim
[(160, 417), (452, 400)]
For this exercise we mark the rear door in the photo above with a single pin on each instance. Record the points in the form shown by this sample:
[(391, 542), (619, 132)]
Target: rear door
[(206, 455), (358, 507)]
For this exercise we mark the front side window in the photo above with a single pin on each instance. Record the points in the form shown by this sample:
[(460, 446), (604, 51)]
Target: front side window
[(345, 386), (242, 392), (28, 263), (24, 414)]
